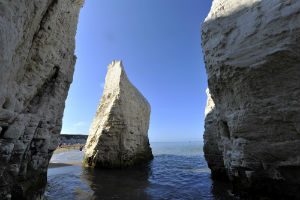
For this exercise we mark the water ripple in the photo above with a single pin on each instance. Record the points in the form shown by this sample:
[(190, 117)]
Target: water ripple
[(178, 172)]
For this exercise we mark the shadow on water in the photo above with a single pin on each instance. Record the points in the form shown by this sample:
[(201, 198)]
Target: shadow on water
[(127, 184), (166, 177), (221, 190), (184, 176)]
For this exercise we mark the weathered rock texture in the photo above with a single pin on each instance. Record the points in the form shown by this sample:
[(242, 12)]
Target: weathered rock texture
[(36, 67), (213, 148), (119, 133), (252, 56)]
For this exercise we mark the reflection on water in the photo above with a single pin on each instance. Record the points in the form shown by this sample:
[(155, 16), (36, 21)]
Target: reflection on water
[(178, 171), (118, 184)]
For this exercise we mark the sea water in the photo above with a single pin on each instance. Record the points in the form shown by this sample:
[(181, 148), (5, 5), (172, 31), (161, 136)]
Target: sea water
[(178, 171)]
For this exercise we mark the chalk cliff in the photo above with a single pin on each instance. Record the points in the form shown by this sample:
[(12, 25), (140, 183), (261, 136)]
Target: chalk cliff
[(252, 57), (36, 68), (119, 133), (213, 150)]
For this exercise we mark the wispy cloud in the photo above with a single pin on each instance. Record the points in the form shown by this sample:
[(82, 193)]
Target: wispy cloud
[(80, 127), (80, 124), (74, 132)]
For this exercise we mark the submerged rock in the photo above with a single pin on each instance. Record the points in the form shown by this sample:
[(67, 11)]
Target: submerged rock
[(37, 42), (252, 56), (119, 133)]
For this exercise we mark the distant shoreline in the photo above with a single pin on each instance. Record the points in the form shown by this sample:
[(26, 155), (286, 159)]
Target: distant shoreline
[(68, 147), (62, 149), (57, 165)]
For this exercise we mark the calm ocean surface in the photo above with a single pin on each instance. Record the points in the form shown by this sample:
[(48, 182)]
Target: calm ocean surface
[(178, 171)]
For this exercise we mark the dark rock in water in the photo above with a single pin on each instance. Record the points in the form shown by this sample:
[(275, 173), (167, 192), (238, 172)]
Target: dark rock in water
[(37, 42), (252, 56), (119, 133)]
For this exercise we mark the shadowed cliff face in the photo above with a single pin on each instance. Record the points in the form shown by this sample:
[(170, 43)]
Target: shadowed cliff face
[(252, 56), (36, 68)]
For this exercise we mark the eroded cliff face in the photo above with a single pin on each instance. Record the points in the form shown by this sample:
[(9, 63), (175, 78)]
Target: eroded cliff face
[(36, 68), (119, 133), (213, 149), (252, 56)]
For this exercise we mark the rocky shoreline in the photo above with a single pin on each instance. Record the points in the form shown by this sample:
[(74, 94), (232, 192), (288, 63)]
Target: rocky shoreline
[(69, 142)]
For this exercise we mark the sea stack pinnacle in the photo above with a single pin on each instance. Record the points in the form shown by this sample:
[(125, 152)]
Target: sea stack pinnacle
[(119, 133)]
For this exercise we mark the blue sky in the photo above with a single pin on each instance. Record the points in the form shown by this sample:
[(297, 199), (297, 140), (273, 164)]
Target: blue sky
[(159, 43)]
